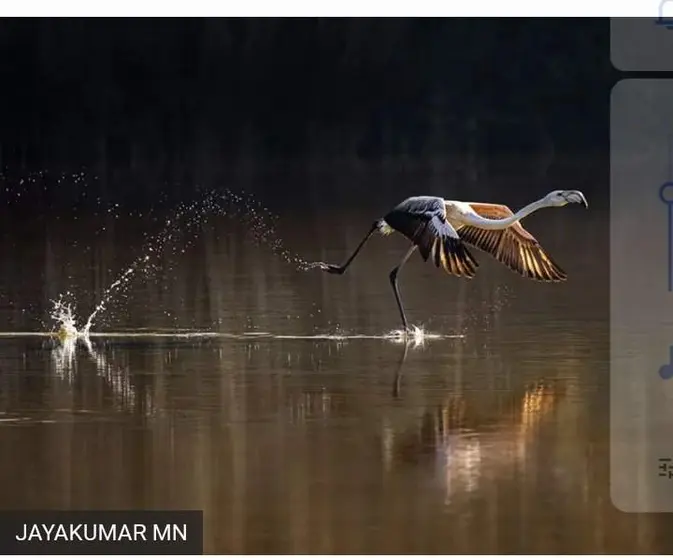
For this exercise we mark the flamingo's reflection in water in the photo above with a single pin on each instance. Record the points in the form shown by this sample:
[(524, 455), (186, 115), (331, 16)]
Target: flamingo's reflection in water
[(465, 446)]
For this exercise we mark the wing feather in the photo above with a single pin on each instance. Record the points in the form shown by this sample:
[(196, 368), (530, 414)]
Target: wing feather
[(514, 247), (423, 221)]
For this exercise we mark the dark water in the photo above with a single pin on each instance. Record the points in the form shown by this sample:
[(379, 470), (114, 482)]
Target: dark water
[(493, 440)]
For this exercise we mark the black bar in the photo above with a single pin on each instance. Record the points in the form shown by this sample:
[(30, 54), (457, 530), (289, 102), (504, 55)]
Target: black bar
[(101, 532)]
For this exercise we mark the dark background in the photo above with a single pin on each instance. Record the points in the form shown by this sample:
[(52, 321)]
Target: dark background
[(299, 109)]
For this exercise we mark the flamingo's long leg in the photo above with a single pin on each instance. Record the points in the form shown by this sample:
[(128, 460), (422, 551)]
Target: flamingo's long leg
[(393, 282)]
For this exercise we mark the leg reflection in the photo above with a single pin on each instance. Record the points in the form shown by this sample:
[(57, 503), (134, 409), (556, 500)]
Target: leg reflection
[(397, 383)]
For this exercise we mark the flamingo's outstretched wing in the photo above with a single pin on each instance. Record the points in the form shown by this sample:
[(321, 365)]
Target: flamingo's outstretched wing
[(514, 246), (423, 221)]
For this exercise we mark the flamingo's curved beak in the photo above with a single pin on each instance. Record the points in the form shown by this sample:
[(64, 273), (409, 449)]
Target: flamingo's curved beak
[(575, 196)]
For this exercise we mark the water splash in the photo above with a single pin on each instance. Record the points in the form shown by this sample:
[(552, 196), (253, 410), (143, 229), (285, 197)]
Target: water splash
[(418, 336), (69, 190), (109, 293), (185, 218), (66, 332), (260, 223), (63, 315), (180, 231)]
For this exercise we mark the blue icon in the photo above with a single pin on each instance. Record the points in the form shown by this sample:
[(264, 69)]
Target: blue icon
[(667, 22), (666, 371)]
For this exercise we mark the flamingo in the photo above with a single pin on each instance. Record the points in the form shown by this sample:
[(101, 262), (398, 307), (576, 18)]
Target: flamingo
[(442, 230)]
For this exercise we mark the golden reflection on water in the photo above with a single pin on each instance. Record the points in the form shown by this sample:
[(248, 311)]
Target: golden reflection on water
[(467, 448)]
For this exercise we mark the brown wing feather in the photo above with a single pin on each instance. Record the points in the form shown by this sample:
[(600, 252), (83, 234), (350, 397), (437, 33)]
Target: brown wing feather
[(452, 255), (514, 246)]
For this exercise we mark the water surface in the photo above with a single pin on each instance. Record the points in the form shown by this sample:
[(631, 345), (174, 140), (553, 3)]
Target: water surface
[(296, 425)]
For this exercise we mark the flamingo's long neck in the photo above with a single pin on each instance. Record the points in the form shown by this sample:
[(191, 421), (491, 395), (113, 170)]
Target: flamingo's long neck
[(499, 224)]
